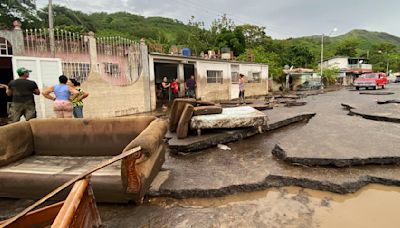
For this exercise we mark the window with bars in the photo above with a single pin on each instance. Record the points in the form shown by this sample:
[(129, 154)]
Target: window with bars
[(112, 69), (5, 47), (78, 71), (254, 77), (214, 76)]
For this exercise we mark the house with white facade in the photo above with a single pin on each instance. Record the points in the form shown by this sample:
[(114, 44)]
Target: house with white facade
[(350, 68), (217, 79)]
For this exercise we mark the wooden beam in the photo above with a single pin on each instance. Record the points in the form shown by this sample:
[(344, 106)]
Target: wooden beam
[(41, 217), (71, 204)]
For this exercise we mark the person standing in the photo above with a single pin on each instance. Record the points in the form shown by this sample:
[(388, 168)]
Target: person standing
[(191, 87), (77, 102), (175, 88), (22, 91), (62, 97), (165, 92), (241, 88)]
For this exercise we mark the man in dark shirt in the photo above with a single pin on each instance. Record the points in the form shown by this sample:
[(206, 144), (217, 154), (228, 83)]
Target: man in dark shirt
[(191, 87), (22, 90)]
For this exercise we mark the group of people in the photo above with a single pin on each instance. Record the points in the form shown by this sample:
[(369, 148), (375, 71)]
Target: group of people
[(67, 96), (190, 89)]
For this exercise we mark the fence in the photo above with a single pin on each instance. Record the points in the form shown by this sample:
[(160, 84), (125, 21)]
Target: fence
[(119, 60)]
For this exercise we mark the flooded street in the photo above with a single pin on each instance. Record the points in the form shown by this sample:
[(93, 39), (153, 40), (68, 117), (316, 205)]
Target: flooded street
[(372, 206), (248, 186)]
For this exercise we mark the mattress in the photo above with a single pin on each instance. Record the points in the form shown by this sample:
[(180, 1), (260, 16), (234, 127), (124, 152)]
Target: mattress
[(236, 117)]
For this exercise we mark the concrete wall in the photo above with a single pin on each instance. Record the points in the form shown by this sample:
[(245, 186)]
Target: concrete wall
[(106, 100), (254, 89), (16, 38), (341, 63), (228, 90), (213, 91)]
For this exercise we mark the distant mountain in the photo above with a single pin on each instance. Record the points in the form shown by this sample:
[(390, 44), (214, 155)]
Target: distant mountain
[(366, 38)]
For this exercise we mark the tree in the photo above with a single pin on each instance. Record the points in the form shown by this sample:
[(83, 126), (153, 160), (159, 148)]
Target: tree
[(261, 56), (74, 21), (226, 34), (11, 10), (384, 54), (347, 47), (329, 75), (299, 56), (197, 37), (255, 35)]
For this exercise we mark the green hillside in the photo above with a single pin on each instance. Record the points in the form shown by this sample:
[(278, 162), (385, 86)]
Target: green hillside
[(368, 38)]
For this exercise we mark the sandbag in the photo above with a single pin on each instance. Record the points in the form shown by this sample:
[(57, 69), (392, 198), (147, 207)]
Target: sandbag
[(176, 111), (207, 110), (183, 124)]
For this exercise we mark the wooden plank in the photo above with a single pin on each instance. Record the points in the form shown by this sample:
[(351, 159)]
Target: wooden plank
[(41, 217), (71, 204), (70, 182), (176, 111), (183, 125)]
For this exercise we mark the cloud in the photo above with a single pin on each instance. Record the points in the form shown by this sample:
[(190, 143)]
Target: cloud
[(289, 18)]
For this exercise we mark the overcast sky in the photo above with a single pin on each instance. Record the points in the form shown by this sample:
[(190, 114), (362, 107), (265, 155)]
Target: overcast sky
[(282, 18)]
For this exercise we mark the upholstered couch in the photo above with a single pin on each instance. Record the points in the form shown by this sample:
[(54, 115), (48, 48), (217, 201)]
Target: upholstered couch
[(39, 155)]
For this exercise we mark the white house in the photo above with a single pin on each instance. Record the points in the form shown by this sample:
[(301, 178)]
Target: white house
[(216, 79), (350, 68)]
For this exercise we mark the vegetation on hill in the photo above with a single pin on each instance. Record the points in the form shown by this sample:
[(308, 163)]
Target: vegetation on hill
[(246, 41)]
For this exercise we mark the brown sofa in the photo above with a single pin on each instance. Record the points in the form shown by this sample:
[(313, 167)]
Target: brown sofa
[(39, 155)]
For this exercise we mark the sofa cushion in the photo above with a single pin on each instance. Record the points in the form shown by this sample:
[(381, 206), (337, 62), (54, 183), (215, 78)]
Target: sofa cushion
[(86, 137), (35, 176), (16, 142)]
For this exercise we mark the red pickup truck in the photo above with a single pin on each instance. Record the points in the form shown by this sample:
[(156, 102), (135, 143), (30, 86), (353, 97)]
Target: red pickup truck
[(371, 80)]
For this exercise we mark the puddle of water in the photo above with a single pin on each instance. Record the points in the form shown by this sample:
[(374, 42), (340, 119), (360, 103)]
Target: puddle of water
[(372, 206)]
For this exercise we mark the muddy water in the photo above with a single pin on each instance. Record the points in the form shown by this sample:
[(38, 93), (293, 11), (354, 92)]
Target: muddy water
[(372, 206)]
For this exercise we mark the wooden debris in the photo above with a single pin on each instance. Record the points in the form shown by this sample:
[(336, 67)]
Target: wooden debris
[(183, 124), (207, 110)]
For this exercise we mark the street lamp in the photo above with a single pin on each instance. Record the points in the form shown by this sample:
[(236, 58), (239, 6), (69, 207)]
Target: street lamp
[(322, 47)]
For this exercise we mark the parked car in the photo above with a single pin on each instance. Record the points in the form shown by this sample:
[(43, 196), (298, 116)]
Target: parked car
[(371, 80), (310, 85), (397, 80)]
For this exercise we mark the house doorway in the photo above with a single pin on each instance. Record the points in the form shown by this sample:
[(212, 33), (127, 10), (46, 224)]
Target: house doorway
[(6, 75), (188, 70), (161, 70)]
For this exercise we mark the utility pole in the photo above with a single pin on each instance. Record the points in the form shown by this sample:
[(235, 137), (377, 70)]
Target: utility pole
[(322, 52), (51, 30), (322, 48)]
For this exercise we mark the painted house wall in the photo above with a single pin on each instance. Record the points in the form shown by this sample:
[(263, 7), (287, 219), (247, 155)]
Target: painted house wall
[(341, 63), (106, 100), (254, 89), (213, 91)]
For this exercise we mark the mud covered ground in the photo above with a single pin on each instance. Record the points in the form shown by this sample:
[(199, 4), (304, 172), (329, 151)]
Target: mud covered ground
[(248, 186)]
